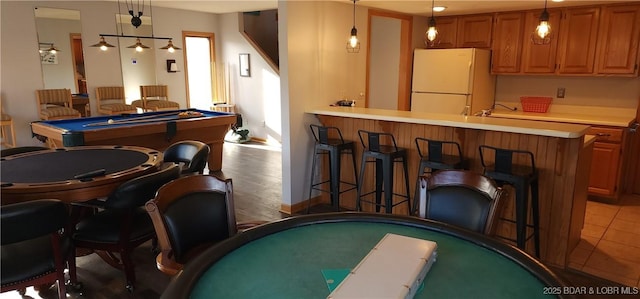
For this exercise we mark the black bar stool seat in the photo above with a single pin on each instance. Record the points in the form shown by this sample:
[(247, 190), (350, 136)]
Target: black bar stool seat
[(384, 156), (435, 155), (524, 178), (329, 141)]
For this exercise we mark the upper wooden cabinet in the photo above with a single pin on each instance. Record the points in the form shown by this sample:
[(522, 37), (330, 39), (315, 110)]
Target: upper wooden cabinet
[(507, 42), (618, 40), (577, 39), (540, 58), (474, 31), (447, 30)]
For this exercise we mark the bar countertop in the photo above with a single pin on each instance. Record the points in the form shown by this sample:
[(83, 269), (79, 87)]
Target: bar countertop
[(532, 127)]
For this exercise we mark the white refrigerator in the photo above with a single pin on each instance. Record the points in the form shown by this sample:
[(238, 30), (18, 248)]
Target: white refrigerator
[(452, 81)]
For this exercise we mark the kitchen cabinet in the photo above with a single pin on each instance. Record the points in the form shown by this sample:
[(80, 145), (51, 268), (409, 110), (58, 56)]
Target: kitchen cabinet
[(540, 58), (507, 42), (447, 30), (578, 34), (607, 162), (618, 40), (474, 31)]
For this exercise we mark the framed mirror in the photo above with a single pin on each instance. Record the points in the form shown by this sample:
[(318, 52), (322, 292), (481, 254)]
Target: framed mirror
[(138, 65), (61, 55)]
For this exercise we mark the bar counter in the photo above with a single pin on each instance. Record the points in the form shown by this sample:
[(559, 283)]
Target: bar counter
[(561, 155)]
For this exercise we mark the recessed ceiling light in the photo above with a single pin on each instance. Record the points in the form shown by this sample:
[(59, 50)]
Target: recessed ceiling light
[(439, 8)]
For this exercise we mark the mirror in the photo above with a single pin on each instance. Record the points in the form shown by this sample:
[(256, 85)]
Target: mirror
[(138, 67), (60, 29), (61, 56)]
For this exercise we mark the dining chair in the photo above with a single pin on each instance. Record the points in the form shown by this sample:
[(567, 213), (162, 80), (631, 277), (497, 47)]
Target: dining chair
[(111, 101), (155, 98), (36, 247), (459, 197), (121, 223), (191, 214), (56, 104), (7, 130), (191, 155)]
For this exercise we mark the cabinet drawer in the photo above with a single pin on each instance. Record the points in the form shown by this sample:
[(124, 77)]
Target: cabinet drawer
[(606, 134)]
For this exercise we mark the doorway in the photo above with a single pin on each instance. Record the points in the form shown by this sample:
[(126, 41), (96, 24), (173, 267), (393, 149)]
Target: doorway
[(200, 75), (389, 61)]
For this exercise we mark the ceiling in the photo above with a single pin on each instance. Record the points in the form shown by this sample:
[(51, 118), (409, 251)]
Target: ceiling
[(414, 7)]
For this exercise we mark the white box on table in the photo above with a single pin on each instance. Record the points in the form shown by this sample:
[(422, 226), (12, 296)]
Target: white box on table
[(394, 268)]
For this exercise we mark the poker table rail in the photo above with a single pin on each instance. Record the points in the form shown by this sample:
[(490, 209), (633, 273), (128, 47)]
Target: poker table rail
[(17, 188), (182, 284)]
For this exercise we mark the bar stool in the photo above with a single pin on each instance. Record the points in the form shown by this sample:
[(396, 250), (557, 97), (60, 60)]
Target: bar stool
[(329, 141), (433, 156), (522, 177), (384, 157)]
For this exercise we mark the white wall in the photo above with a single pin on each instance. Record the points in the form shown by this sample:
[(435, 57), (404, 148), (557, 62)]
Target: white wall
[(315, 69), (257, 97)]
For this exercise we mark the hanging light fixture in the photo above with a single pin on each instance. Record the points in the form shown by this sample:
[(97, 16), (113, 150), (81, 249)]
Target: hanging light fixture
[(170, 47), (139, 46), (51, 49), (104, 45), (542, 34), (432, 32), (136, 21), (353, 45)]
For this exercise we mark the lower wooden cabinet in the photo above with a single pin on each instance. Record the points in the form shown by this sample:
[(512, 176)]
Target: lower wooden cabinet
[(603, 180), (607, 163)]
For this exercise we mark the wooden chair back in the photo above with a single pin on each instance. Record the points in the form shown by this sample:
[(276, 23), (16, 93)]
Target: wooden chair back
[(110, 94), (189, 214)]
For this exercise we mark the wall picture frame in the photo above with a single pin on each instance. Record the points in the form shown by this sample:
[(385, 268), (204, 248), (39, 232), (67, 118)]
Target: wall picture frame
[(245, 65), (48, 58)]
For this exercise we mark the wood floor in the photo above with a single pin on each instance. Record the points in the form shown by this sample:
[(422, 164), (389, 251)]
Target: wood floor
[(256, 173)]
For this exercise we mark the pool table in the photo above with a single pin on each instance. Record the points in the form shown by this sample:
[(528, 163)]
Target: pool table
[(155, 130), (291, 257)]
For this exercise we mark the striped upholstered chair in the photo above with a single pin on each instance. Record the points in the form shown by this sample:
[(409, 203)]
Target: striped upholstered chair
[(111, 101), (155, 98), (55, 104)]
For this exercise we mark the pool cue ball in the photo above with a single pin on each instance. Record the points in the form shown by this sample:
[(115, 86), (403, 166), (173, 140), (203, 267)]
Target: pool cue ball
[(110, 121)]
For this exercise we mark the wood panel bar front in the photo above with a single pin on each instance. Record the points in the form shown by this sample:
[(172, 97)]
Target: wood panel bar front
[(557, 160)]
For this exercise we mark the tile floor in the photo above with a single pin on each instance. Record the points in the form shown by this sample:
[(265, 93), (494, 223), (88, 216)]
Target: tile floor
[(610, 241)]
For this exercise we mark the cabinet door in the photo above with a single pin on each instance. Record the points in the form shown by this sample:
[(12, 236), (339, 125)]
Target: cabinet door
[(447, 28), (618, 40), (604, 169), (507, 43), (474, 31), (540, 58), (578, 34)]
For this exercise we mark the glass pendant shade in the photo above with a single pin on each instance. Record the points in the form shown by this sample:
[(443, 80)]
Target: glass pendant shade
[(353, 44), (542, 34)]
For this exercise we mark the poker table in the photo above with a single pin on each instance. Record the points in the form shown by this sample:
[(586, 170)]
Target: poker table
[(288, 259), (157, 130), (75, 173)]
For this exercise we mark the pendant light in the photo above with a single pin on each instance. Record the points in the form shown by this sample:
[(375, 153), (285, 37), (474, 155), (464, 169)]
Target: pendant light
[(104, 45), (170, 47), (138, 46), (52, 49), (432, 32), (353, 45), (542, 34)]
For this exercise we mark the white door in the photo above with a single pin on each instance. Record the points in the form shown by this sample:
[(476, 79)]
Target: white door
[(438, 103), (442, 70)]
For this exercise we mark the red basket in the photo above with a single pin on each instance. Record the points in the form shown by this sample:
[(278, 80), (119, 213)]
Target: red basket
[(535, 104)]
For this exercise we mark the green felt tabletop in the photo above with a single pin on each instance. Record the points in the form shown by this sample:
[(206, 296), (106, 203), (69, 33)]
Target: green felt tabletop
[(289, 264)]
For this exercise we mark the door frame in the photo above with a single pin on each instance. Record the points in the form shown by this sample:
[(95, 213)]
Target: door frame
[(212, 54), (404, 76)]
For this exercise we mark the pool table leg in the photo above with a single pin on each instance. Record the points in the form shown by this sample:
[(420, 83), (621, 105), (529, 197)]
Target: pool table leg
[(215, 156)]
